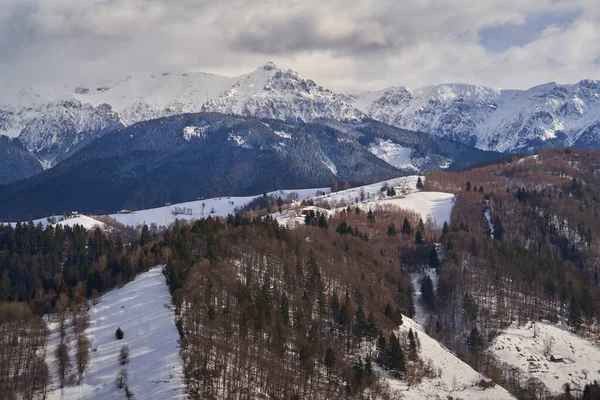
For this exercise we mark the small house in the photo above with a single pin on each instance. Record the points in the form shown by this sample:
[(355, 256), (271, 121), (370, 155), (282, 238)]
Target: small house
[(556, 358)]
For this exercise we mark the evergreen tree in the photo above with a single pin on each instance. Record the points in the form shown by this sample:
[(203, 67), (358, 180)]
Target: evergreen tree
[(445, 228), (427, 293), (419, 238), (329, 361), (468, 186), (119, 333), (406, 228), (397, 360), (412, 346), (474, 341), (391, 230), (574, 320), (145, 237), (419, 183)]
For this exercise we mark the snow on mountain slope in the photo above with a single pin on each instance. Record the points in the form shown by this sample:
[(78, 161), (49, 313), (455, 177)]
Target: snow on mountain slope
[(216, 207), (393, 154), (490, 119), (457, 379), (518, 347), (142, 310), (270, 92)]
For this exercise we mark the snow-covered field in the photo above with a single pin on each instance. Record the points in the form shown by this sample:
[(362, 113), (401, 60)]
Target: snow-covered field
[(142, 310), (457, 379), (215, 207), (83, 220), (436, 206), (581, 359)]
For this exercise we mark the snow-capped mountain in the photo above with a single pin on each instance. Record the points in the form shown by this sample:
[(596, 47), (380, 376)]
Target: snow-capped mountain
[(491, 119), (52, 120), (270, 92)]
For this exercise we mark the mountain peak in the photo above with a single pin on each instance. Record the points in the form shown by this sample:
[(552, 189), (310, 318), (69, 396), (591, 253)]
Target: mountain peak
[(268, 66)]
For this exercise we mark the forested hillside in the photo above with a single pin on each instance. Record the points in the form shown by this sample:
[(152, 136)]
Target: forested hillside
[(523, 245), (47, 270), (307, 313)]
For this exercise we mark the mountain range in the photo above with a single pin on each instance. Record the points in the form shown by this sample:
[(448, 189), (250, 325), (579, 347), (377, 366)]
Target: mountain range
[(48, 125)]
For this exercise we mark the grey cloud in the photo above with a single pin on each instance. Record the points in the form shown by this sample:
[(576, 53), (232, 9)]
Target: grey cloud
[(363, 43)]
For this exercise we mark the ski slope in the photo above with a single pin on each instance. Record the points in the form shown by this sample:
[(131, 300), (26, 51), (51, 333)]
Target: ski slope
[(518, 347), (457, 379), (142, 310)]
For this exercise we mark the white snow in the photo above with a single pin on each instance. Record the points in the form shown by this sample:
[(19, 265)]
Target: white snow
[(331, 165), (457, 379), (433, 206), (142, 309), (437, 205), (83, 220), (282, 134), (517, 347), (222, 206), (393, 154), (488, 218)]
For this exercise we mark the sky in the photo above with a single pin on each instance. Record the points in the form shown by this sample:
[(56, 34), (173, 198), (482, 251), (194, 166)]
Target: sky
[(361, 44)]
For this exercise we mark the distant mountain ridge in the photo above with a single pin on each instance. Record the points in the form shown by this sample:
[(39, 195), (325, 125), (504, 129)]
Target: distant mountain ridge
[(490, 119), (53, 122)]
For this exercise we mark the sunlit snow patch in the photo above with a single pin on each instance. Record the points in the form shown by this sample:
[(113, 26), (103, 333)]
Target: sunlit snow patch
[(393, 154)]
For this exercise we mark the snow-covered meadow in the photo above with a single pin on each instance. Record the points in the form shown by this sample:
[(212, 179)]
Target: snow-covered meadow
[(142, 309), (518, 347)]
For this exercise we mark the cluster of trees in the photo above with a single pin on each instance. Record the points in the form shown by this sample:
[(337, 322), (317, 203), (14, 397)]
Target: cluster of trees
[(39, 264), (262, 309), (23, 369)]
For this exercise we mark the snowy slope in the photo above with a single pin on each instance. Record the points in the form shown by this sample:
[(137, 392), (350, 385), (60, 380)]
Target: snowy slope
[(82, 220), (490, 119), (457, 379), (434, 206), (517, 347), (142, 310), (216, 207)]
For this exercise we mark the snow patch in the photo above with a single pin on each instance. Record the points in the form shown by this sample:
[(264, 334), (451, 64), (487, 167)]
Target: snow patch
[(393, 154), (518, 347)]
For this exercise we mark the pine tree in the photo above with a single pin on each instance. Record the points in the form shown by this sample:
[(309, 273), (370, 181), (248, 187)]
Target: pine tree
[(397, 360), (412, 346), (145, 238), (119, 333), (419, 183), (468, 186), (391, 230), (329, 361), (445, 228), (419, 238), (406, 228), (574, 320)]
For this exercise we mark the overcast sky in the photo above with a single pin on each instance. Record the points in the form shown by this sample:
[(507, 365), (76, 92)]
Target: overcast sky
[(340, 44)]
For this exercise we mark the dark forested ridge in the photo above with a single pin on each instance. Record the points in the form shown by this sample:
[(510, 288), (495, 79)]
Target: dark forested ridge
[(186, 156)]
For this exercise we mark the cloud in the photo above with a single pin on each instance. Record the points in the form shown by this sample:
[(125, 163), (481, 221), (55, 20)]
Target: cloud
[(361, 44)]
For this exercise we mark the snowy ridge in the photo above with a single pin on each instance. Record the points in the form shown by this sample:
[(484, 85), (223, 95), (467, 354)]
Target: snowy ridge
[(490, 119)]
